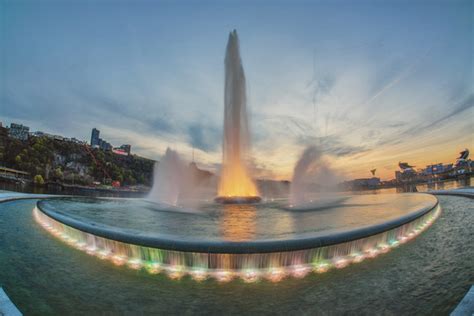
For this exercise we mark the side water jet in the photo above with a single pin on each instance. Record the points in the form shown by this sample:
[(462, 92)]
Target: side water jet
[(235, 186), (169, 179), (310, 170)]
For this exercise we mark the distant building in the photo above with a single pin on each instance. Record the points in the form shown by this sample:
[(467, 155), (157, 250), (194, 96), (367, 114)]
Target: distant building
[(38, 134), (95, 138), (104, 145), (119, 151), (436, 169), (126, 148), (18, 131), (463, 164), (360, 184), (98, 142), (123, 150)]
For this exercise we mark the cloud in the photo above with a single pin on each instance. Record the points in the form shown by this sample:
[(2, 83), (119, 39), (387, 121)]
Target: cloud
[(425, 126), (204, 137)]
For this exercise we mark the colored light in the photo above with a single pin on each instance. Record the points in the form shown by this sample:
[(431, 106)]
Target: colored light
[(103, 254), (175, 272), (198, 274), (135, 264), (119, 260), (223, 276), (340, 263), (154, 267), (358, 257), (300, 271), (275, 274), (274, 269), (250, 276)]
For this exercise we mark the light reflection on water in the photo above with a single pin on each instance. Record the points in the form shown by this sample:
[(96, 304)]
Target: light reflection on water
[(238, 222)]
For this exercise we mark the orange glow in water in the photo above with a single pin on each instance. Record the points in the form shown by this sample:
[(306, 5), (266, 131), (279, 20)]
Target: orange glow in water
[(235, 181), (239, 222)]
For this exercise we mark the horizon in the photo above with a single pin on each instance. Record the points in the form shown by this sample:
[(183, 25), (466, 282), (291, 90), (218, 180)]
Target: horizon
[(369, 88)]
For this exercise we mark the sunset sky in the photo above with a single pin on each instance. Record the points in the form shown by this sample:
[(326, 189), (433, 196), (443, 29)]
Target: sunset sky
[(371, 83)]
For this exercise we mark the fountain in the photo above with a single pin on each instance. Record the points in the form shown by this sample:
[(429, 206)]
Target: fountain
[(235, 184), (233, 236), (169, 179)]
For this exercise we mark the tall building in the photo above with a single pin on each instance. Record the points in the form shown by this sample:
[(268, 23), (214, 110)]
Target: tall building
[(95, 137), (18, 131)]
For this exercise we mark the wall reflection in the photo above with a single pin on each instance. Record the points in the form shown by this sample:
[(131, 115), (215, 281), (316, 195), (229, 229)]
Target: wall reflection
[(238, 222)]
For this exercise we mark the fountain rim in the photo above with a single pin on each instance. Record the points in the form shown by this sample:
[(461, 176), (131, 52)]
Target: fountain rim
[(238, 199), (235, 247)]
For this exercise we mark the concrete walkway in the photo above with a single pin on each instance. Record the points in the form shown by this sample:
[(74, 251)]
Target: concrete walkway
[(7, 308), (11, 196), (466, 307), (465, 192)]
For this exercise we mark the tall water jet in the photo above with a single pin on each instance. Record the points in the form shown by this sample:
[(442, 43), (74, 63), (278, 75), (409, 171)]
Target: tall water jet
[(235, 183)]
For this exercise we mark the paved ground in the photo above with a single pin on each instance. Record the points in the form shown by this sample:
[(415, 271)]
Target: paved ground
[(7, 308), (465, 192)]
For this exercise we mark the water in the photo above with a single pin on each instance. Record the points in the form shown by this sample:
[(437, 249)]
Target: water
[(235, 179), (426, 276), (266, 221), (311, 170), (224, 266), (207, 244), (28, 188), (169, 179), (423, 187)]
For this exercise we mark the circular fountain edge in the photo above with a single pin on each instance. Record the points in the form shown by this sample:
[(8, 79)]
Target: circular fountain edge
[(237, 199), (233, 247)]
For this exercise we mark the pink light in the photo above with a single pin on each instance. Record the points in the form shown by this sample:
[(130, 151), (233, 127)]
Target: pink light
[(198, 275), (340, 262), (91, 250), (223, 276), (276, 274), (322, 267), (372, 253), (119, 260), (103, 254), (358, 258), (300, 271), (135, 264), (250, 276), (175, 272)]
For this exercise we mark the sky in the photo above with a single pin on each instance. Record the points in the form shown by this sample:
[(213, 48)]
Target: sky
[(370, 83)]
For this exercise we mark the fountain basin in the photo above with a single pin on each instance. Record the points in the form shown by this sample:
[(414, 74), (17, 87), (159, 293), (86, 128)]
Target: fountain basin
[(246, 241), (237, 199)]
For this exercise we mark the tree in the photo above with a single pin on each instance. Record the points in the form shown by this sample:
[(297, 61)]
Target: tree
[(58, 173), (38, 179)]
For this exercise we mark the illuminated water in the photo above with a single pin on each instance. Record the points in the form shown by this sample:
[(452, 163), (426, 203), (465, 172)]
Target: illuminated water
[(235, 179), (266, 221), (349, 232), (427, 275)]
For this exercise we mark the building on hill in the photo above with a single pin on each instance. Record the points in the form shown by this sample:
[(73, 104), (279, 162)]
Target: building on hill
[(19, 131), (95, 137), (97, 142), (126, 148)]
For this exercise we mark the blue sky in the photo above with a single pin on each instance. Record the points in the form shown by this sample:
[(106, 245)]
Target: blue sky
[(372, 83)]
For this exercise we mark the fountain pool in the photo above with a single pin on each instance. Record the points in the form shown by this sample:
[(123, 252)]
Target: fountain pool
[(248, 241)]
